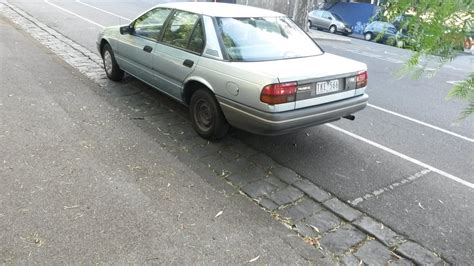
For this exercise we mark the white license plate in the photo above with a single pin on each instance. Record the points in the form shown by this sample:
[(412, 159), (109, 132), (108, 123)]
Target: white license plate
[(327, 86)]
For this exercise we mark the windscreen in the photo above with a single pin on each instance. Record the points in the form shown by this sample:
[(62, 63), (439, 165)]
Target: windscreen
[(339, 18), (264, 39)]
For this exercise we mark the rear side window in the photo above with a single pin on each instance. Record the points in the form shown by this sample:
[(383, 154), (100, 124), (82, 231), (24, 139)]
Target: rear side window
[(179, 30), (318, 13), (379, 26), (264, 38), (149, 25), (327, 15), (196, 43)]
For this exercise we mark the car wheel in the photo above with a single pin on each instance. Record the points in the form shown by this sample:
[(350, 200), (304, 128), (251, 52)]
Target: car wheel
[(206, 115), (111, 67), (332, 29), (310, 25), (368, 36)]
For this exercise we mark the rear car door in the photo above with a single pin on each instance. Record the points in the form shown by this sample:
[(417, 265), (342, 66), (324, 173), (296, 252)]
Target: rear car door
[(137, 50), (312, 17), (179, 51), (326, 19), (318, 18)]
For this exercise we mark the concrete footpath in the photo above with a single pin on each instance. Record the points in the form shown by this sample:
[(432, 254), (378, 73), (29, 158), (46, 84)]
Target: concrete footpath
[(81, 183)]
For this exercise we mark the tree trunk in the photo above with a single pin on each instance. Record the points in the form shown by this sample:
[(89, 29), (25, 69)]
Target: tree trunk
[(300, 14)]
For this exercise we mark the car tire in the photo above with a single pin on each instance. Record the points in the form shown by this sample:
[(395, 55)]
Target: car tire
[(333, 29), (112, 69), (310, 24), (368, 36), (206, 115)]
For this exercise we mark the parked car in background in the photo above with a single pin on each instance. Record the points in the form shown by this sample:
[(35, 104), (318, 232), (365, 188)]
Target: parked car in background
[(322, 19), (385, 32), (469, 39), (468, 42), (236, 65)]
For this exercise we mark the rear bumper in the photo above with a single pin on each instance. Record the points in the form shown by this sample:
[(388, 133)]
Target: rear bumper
[(263, 123)]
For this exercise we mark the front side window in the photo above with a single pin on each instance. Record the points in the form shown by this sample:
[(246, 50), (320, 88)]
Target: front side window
[(179, 30), (264, 38), (150, 24)]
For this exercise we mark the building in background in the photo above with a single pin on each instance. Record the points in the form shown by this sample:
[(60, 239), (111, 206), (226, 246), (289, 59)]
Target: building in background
[(356, 13)]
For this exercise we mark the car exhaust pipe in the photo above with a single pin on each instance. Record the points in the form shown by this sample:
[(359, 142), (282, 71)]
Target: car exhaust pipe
[(350, 117)]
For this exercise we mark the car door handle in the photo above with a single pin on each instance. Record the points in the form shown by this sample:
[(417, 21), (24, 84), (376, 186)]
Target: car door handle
[(188, 63), (147, 49)]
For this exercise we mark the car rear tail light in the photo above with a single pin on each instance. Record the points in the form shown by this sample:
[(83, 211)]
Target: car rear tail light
[(362, 79), (279, 93)]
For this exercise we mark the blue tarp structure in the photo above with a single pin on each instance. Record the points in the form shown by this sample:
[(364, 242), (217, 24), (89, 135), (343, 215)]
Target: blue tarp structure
[(355, 14)]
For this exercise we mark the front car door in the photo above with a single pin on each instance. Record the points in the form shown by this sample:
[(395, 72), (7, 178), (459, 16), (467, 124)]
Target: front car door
[(387, 31), (137, 49), (179, 51)]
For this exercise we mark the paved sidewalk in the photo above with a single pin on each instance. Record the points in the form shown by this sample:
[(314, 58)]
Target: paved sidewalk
[(81, 183), (326, 36)]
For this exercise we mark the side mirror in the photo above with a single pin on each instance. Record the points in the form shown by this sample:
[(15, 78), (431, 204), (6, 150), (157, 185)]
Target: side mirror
[(126, 30), (330, 18)]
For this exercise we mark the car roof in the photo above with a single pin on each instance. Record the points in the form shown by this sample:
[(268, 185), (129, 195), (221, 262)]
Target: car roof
[(221, 9), (380, 22)]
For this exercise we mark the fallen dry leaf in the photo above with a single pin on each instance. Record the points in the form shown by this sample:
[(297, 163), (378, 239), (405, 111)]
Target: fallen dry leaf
[(421, 206), (314, 228), (219, 214), (254, 259)]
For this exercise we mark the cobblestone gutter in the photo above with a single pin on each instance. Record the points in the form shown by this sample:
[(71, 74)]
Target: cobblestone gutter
[(322, 220)]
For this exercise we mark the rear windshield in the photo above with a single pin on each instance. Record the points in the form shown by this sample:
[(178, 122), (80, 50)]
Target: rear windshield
[(264, 38)]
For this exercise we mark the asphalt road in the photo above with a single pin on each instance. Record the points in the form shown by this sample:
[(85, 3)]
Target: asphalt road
[(405, 160)]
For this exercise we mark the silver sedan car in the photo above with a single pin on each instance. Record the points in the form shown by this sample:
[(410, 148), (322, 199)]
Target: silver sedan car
[(250, 68)]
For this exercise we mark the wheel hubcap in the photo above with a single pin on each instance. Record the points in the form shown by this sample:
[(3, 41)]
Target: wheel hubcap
[(203, 116), (108, 63), (368, 37)]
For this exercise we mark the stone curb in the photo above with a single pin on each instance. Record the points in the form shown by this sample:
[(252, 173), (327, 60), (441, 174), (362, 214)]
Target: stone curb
[(317, 216)]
